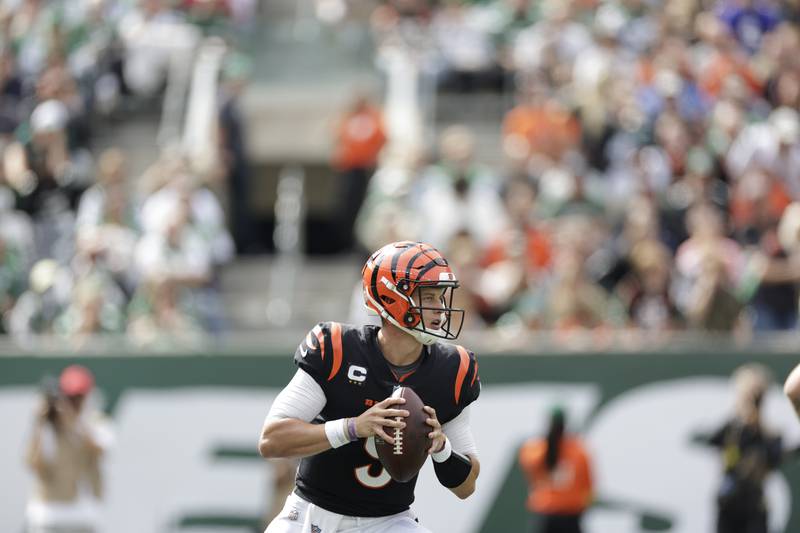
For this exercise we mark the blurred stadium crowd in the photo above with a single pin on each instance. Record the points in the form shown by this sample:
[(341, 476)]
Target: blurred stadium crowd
[(651, 162), (85, 248), (649, 171)]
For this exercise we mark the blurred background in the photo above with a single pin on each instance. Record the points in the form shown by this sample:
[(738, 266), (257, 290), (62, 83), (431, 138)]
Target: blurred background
[(188, 186)]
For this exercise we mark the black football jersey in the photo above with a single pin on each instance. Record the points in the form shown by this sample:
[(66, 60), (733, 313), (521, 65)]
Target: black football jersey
[(348, 364)]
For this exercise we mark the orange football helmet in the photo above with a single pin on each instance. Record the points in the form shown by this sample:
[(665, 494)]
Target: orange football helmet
[(392, 274)]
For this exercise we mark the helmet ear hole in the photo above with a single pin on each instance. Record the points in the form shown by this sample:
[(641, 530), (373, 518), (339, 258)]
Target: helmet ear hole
[(408, 318)]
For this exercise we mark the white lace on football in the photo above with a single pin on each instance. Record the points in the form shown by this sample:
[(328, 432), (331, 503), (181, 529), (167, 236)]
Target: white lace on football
[(398, 440), (398, 433)]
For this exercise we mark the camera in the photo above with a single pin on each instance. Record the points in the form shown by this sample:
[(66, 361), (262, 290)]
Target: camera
[(52, 394)]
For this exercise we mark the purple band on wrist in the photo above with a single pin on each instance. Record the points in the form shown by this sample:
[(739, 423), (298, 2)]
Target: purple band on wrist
[(351, 429)]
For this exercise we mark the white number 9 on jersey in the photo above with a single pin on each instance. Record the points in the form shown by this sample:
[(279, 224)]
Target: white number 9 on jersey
[(362, 472)]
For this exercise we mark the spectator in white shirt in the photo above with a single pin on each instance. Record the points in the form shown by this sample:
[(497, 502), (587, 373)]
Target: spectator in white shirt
[(176, 251), (773, 146)]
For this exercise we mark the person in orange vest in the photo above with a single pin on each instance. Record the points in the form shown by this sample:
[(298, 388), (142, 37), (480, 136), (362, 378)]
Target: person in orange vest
[(360, 137), (558, 471)]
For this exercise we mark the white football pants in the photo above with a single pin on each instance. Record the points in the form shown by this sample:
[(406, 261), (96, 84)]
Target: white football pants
[(301, 516)]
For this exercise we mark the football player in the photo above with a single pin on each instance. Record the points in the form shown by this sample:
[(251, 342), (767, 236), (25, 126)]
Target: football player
[(792, 388), (339, 400)]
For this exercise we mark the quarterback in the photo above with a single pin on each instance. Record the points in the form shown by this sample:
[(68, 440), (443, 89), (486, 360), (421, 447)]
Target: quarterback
[(339, 400)]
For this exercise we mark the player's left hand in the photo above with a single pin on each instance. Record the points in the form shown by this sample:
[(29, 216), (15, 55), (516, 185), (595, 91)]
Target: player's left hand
[(436, 436)]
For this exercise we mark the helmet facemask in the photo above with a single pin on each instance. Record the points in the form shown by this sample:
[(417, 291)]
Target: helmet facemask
[(448, 320)]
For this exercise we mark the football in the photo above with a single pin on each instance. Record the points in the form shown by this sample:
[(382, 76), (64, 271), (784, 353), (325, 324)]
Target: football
[(405, 458)]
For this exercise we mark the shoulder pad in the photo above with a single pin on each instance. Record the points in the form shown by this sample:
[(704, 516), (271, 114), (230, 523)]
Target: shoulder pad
[(467, 384), (320, 353)]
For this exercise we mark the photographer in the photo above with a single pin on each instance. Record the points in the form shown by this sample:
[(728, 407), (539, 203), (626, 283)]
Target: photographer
[(64, 454), (749, 452)]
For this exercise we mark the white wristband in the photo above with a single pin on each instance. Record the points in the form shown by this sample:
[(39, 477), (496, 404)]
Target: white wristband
[(443, 454), (336, 431)]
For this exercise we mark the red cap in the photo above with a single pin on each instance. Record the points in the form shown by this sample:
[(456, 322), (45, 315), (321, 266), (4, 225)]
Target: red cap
[(76, 380)]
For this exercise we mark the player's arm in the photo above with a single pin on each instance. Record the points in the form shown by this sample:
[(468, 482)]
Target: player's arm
[(288, 431), (466, 488), (456, 461), (792, 388)]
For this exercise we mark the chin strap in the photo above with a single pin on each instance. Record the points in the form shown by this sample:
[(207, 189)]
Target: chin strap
[(421, 336)]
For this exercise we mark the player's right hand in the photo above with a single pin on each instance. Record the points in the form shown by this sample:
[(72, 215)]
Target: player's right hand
[(372, 421)]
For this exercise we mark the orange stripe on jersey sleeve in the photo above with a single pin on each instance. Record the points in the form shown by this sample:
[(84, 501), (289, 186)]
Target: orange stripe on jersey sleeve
[(321, 339), (475, 375), (463, 367), (336, 340)]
